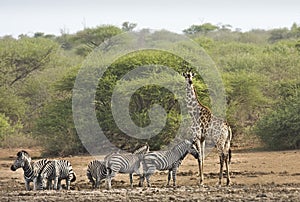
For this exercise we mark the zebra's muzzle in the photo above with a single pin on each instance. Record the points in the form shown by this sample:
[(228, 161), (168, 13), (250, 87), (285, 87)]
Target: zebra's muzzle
[(13, 168)]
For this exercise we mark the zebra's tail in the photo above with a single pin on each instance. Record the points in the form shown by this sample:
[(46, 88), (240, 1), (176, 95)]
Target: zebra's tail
[(73, 177), (109, 170)]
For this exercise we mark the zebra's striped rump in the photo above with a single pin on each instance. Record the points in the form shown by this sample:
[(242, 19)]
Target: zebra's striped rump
[(96, 172)]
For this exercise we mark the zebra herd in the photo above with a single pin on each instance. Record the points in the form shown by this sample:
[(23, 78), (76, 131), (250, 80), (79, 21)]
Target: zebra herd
[(42, 172), (142, 162)]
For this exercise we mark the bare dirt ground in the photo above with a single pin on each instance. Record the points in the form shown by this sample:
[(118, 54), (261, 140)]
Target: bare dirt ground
[(256, 176)]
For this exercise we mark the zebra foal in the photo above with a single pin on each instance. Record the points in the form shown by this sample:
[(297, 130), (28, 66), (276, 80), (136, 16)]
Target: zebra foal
[(57, 170), (31, 169), (166, 160)]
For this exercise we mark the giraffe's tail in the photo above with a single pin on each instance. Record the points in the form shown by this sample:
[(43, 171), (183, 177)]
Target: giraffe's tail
[(228, 142), (229, 156)]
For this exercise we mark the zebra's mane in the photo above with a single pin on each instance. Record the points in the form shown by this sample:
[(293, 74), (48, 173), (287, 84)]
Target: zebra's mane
[(19, 154), (142, 150), (182, 145)]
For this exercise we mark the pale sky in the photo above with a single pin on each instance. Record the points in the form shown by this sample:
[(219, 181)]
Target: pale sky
[(30, 16)]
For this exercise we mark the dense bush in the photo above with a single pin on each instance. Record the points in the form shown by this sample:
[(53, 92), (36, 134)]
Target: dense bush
[(280, 128)]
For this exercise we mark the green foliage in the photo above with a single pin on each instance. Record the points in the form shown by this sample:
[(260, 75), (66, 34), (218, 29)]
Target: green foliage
[(144, 98), (4, 126), (85, 41), (56, 130), (127, 26), (260, 71), (204, 28), (280, 128), (20, 58)]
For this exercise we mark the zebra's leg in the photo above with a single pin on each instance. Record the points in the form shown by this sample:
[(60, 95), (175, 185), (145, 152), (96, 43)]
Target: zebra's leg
[(174, 176), (148, 179), (35, 183), (49, 184), (108, 178), (108, 182), (131, 180), (221, 168), (59, 184), (91, 179), (97, 183), (142, 178), (169, 177), (68, 182), (27, 186), (55, 186)]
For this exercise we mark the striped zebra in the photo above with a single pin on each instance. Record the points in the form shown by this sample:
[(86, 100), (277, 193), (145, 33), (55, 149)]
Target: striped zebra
[(31, 169), (97, 171), (124, 163), (57, 170), (166, 160)]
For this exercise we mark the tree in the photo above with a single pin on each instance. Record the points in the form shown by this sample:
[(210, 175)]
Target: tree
[(278, 34), (127, 26), (202, 29), (20, 58), (280, 128)]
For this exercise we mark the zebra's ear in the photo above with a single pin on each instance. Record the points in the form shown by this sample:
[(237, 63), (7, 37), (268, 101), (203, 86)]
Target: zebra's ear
[(19, 154), (184, 74)]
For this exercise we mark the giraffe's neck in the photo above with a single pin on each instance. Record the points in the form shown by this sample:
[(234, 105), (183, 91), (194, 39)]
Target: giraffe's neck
[(191, 98), (195, 108)]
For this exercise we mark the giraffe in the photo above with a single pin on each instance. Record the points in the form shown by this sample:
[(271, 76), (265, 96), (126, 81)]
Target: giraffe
[(205, 124)]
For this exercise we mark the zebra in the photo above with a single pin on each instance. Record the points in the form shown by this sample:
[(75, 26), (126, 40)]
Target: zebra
[(57, 170), (166, 160), (97, 171), (31, 169), (124, 163)]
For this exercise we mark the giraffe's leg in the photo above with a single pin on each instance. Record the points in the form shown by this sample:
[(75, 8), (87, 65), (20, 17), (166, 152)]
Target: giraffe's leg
[(202, 160), (198, 144), (227, 169), (221, 168)]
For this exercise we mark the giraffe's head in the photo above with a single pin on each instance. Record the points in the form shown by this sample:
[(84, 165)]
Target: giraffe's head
[(188, 77)]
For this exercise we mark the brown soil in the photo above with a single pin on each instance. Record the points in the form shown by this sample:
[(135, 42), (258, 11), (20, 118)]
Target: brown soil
[(256, 176)]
